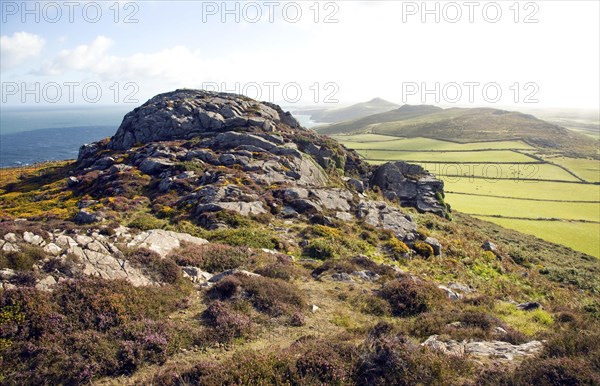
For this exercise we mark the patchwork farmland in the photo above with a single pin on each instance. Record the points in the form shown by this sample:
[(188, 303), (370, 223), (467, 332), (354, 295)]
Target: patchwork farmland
[(555, 198)]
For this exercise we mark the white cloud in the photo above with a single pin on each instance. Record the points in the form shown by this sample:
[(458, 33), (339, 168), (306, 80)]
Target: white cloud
[(16, 49)]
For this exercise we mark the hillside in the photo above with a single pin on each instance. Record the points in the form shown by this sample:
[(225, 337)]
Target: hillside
[(469, 125), (213, 240), (356, 111)]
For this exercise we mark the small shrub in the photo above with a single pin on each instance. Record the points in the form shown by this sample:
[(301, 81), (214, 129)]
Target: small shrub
[(147, 222), (162, 270), (556, 371), (423, 249), (274, 297), (323, 248), (210, 257), (245, 237), (394, 360), (22, 260), (409, 297), (279, 270), (227, 324), (397, 248)]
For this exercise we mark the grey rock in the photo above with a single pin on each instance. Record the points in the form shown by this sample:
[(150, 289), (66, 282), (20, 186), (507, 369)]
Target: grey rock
[(366, 275), (153, 166), (529, 306), (411, 185), (86, 217), (356, 184), (11, 237), (435, 244), (46, 283), (227, 159), (451, 294), (72, 182), (342, 276), (33, 239), (163, 242), (380, 214), (491, 349), (490, 247), (218, 277), (52, 249), (196, 275), (243, 208)]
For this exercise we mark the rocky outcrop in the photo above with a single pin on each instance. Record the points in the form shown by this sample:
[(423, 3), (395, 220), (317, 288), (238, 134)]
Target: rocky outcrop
[(490, 349), (410, 185), (163, 242), (185, 114), (91, 254)]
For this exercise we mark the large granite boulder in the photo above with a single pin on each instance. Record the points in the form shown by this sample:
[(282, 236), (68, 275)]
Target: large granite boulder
[(410, 185)]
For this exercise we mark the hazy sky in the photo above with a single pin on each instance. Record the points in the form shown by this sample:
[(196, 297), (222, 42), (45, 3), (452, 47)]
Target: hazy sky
[(542, 52)]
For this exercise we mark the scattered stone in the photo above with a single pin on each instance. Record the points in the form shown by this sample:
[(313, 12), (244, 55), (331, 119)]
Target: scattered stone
[(11, 237), (196, 275), (33, 239), (46, 283), (366, 275), (451, 294), (314, 308), (72, 182), (342, 276), (490, 247), (52, 249)]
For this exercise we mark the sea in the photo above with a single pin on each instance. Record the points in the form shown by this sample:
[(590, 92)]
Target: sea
[(36, 134)]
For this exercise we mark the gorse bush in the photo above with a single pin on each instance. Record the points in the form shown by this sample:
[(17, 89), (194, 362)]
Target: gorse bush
[(423, 249), (397, 248)]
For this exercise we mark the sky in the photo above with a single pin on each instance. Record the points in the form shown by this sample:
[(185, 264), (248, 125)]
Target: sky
[(505, 53)]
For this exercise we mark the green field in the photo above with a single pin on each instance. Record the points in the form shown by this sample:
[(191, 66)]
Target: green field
[(588, 169), (576, 235), (441, 156), (493, 171), (526, 189), (510, 207), (375, 141), (515, 193)]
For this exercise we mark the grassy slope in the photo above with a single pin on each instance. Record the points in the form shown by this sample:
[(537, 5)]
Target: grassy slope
[(560, 278), (404, 112)]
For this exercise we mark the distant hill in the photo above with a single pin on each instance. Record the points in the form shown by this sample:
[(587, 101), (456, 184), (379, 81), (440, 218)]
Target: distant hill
[(400, 114), (468, 125), (356, 111)]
